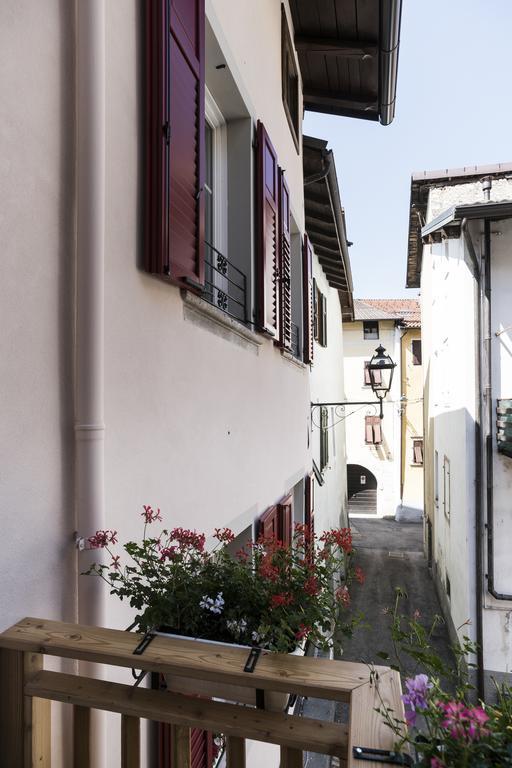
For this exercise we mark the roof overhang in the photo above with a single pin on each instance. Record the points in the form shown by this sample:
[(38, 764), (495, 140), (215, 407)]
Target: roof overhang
[(325, 220), (447, 224), (348, 56)]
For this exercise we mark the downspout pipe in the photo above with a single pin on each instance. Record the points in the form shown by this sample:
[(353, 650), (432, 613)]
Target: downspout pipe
[(89, 316), (479, 524)]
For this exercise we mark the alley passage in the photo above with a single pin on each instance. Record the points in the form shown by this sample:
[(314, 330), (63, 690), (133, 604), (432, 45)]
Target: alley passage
[(391, 555)]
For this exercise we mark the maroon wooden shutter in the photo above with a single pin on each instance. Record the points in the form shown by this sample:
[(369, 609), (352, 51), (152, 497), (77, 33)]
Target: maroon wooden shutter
[(285, 264), (309, 511), (286, 520), (307, 293), (267, 205), (269, 524), (377, 431), (174, 242)]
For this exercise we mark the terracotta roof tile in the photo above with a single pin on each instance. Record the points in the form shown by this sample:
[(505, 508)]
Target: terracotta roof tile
[(406, 310)]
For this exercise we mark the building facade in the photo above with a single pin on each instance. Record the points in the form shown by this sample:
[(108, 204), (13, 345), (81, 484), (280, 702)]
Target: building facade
[(385, 458), (158, 348), (460, 240)]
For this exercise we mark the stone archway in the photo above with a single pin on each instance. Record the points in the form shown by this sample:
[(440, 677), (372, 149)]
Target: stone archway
[(362, 490)]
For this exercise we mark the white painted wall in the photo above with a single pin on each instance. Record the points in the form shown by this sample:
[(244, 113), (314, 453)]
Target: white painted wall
[(327, 386), (382, 460)]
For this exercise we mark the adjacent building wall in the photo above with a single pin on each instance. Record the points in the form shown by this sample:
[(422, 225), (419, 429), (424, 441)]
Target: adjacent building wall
[(383, 461), (411, 491)]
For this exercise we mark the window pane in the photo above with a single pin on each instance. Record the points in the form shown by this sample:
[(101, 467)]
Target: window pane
[(371, 329)]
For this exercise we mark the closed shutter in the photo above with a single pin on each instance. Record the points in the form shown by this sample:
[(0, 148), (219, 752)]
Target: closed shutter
[(285, 262), (267, 202), (307, 293), (174, 205), (377, 431), (316, 328), (368, 430), (373, 430)]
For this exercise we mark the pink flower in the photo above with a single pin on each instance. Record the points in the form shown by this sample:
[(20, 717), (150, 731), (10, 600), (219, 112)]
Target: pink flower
[(150, 515), (359, 574), (224, 534), (187, 538), (343, 596), (302, 632), (435, 762), (101, 539), (280, 599), (168, 553)]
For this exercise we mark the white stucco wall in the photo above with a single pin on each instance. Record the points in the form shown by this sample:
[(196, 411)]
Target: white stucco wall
[(498, 614), (327, 386), (382, 460), (412, 425), (448, 312)]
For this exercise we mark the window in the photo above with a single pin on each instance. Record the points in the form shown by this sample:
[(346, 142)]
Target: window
[(416, 352), (377, 375), (324, 438), (319, 315), (290, 79), (417, 450), (372, 430), (371, 329), (308, 298), (446, 488)]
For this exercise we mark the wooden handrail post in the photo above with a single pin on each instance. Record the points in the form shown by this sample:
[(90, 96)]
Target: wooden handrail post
[(235, 752), (291, 758), (36, 719), (81, 737), (130, 741), (180, 740), (11, 708)]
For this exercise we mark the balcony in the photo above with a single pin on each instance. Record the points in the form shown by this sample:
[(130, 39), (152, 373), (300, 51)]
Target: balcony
[(27, 689), (225, 286)]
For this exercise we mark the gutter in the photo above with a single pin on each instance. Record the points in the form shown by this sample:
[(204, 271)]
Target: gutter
[(89, 319), (390, 18)]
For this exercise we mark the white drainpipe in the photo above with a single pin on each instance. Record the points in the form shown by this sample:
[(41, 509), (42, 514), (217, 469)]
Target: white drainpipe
[(89, 315)]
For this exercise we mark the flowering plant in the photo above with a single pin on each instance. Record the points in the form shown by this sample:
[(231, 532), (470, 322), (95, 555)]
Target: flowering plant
[(445, 726), (267, 593)]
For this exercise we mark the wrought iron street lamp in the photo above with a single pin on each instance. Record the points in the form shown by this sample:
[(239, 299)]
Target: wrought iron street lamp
[(380, 369)]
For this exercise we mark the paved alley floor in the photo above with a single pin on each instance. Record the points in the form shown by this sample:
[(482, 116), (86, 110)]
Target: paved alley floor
[(391, 555)]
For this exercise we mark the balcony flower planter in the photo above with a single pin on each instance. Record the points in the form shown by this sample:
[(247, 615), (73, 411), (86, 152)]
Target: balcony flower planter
[(265, 593), (274, 701)]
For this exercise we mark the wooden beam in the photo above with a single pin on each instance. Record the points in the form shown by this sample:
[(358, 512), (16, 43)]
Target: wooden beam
[(335, 46), (180, 740), (315, 677), (185, 711), (333, 99)]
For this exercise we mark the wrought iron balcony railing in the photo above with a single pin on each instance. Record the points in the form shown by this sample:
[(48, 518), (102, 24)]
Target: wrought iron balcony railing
[(225, 286)]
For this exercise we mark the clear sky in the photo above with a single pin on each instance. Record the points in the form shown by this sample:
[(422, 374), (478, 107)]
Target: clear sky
[(454, 108)]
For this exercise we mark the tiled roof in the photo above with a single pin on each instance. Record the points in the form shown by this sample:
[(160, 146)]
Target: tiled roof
[(406, 310)]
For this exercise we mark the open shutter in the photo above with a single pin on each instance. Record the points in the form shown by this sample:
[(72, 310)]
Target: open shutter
[(307, 295), (267, 203), (324, 319), (309, 511), (174, 206), (286, 520), (269, 524), (285, 262), (377, 431), (368, 430)]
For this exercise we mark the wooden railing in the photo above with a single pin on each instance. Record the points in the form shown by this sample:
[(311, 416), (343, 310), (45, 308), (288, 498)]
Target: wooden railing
[(27, 689)]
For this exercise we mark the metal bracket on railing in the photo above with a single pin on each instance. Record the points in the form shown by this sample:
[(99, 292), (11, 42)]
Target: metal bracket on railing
[(252, 659), (381, 756), (148, 637)]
